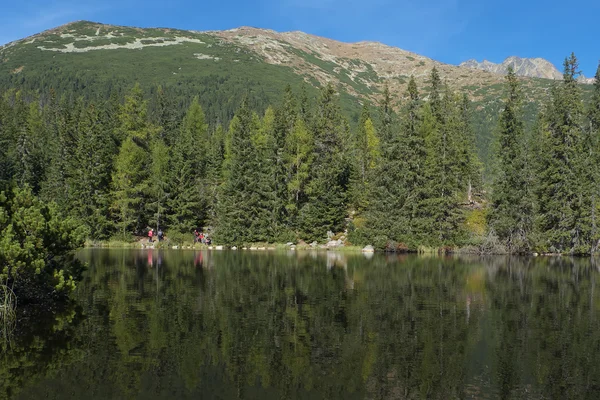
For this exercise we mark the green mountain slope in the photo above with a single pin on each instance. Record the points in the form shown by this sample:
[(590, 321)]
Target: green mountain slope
[(92, 59)]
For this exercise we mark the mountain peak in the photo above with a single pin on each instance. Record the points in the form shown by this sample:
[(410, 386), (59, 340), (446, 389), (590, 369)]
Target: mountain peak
[(529, 67)]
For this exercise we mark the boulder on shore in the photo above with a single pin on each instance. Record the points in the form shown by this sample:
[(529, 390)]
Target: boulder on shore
[(335, 243), (368, 249)]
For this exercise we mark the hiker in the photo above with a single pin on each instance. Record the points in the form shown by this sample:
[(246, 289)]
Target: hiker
[(150, 234), (160, 235), (196, 236)]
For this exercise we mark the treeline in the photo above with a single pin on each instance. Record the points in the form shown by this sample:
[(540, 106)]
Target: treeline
[(400, 180)]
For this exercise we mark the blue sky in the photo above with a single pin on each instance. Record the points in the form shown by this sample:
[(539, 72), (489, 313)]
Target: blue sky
[(450, 31)]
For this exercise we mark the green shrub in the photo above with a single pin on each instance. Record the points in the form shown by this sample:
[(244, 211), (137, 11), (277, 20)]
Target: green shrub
[(37, 246)]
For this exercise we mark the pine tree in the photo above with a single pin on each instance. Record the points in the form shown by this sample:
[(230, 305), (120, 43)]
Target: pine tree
[(510, 209), (382, 216), (327, 191), (188, 171), (90, 181), (592, 149), (298, 157), (159, 184), (31, 157), (61, 120), (562, 222), (267, 223), (5, 139), (366, 156), (243, 202), (412, 157), (440, 214), (165, 115), (435, 95), (469, 165), (133, 165)]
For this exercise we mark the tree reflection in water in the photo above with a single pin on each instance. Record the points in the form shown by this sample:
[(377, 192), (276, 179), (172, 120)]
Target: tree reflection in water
[(185, 324)]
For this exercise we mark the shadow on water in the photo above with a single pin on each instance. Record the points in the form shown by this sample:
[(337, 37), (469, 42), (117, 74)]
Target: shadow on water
[(153, 324)]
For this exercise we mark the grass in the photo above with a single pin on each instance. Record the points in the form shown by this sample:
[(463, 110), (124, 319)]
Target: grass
[(8, 316)]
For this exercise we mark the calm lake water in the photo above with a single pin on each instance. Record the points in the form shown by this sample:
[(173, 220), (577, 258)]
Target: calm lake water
[(151, 324)]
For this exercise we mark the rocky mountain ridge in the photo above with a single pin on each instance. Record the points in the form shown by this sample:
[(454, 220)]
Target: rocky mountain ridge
[(361, 69), (526, 67)]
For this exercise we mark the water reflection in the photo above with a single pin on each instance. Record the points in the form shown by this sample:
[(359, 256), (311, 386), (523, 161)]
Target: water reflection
[(185, 324)]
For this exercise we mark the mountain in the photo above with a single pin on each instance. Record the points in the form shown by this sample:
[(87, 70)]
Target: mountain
[(526, 67), (93, 59)]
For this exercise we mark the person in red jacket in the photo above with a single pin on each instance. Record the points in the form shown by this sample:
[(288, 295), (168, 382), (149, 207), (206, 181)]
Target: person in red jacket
[(150, 234)]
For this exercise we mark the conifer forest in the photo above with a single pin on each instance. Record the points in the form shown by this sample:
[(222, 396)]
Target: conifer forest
[(402, 178)]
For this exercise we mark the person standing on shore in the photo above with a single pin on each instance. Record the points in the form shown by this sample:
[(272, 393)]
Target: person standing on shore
[(150, 234)]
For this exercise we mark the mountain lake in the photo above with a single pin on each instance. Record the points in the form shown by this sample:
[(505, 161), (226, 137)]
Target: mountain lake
[(185, 324)]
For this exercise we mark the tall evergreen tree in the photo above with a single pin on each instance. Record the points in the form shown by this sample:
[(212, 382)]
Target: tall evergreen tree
[(398, 178), (365, 158), (510, 206), (158, 184), (61, 121), (327, 191), (562, 220), (469, 165), (440, 214), (165, 115), (243, 212), (188, 171), (298, 157), (592, 149), (31, 155), (133, 165), (90, 181)]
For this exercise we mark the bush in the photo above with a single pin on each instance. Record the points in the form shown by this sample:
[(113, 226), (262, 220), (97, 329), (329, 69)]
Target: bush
[(37, 246)]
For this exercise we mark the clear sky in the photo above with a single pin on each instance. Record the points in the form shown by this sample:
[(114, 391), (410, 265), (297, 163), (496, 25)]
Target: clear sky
[(450, 31)]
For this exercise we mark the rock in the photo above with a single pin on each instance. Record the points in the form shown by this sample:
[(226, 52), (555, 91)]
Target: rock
[(314, 244), (252, 248), (234, 248), (218, 247), (368, 249), (270, 248), (535, 254), (330, 235), (244, 248), (289, 244), (261, 248), (335, 243)]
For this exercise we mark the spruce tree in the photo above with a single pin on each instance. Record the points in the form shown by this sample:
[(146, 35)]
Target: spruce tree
[(440, 215), (133, 165), (412, 156), (159, 188), (298, 158), (266, 170), (90, 181), (592, 148), (469, 165), (61, 120), (397, 179), (365, 158), (188, 171), (562, 220), (6, 139), (243, 204), (326, 207), (510, 211), (31, 155)]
